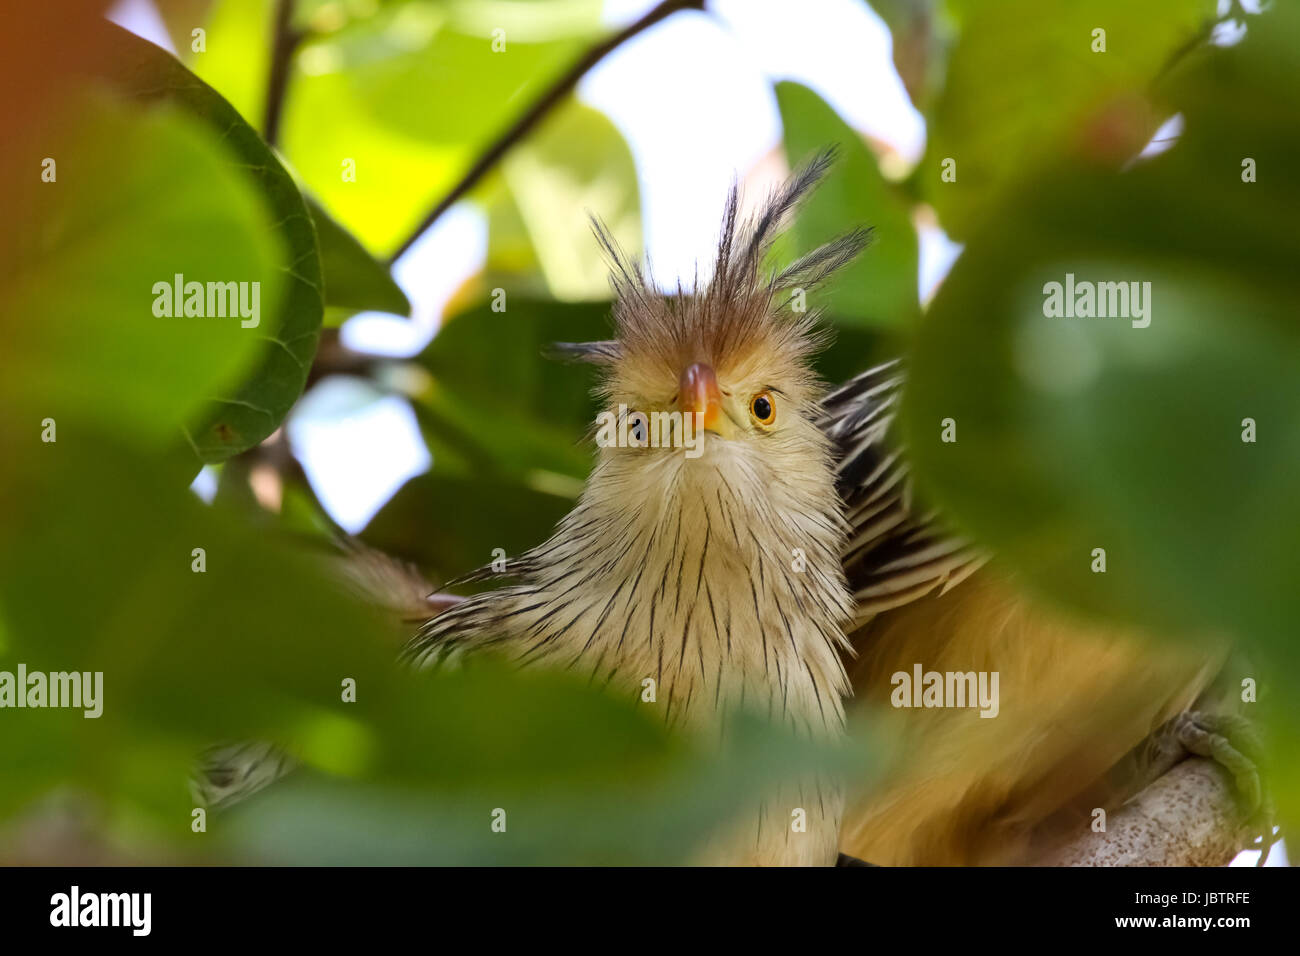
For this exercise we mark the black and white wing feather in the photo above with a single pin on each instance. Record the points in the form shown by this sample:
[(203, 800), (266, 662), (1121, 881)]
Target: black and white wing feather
[(894, 555)]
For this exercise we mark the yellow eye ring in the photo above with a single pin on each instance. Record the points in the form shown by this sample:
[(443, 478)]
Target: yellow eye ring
[(763, 407)]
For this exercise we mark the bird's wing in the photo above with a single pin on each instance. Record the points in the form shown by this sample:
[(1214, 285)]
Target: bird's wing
[(1074, 700), (894, 554), (1079, 698)]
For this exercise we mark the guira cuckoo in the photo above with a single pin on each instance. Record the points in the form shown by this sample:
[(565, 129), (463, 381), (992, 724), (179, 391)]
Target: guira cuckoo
[(680, 569), (683, 569)]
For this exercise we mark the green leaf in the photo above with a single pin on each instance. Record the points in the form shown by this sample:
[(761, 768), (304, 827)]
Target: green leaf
[(248, 414), (236, 59), (539, 204), (1081, 433), (388, 95), (628, 795), (576, 164), (880, 287), (512, 50), (451, 523), (243, 647), (86, 252), (1024, 87), (257, 644), (492, 387), (512, 260), (354, 280)]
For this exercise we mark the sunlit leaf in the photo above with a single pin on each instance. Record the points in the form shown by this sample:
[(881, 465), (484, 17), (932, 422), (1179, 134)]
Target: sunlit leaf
[(576, 165), (237, 49), (388, 97), (880, 288), (354, 280)]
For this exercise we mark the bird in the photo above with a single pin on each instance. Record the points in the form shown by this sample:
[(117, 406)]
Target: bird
[(788, 568), (680, 569), (785, 567)]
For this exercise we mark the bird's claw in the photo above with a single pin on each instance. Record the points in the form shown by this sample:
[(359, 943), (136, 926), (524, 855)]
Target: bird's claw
[(1234, 743)]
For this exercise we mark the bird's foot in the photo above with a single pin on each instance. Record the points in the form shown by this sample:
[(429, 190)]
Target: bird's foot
[(1233, 742)]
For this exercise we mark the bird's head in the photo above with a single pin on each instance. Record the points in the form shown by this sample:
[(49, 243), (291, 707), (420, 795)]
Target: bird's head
[(732, 359), (742, 518)]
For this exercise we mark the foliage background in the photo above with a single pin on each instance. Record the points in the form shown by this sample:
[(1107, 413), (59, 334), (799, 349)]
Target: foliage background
[(228, 163)]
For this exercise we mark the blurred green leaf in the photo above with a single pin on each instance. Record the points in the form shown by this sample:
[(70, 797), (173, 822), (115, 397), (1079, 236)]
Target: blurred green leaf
[(243, 418), (433, 48), (189, 658), (540, 241), (376, 182), (257, 645), (629, 796), (880, 287), (512, 260), (354, 280), (77, 289), (1024, 86), (854, 349), (1083, 433)]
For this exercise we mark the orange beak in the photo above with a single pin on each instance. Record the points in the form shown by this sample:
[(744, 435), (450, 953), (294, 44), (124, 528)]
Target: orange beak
[(698, 392)]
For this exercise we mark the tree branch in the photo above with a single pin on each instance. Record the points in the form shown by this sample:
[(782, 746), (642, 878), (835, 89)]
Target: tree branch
[(543, 105), (1187, 817), (284, 42)]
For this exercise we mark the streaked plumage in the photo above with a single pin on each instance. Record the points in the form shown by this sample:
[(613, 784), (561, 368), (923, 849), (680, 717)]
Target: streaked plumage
[(683, 570)]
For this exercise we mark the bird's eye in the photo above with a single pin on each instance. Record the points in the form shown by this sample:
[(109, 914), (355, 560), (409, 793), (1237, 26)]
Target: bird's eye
[(763, 408)]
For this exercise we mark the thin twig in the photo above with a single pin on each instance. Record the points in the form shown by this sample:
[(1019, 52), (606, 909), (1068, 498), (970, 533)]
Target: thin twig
[(544, 104), (284, 42)]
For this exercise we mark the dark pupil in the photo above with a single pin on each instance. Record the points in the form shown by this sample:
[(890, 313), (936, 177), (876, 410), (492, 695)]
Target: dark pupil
[(762, 408)]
